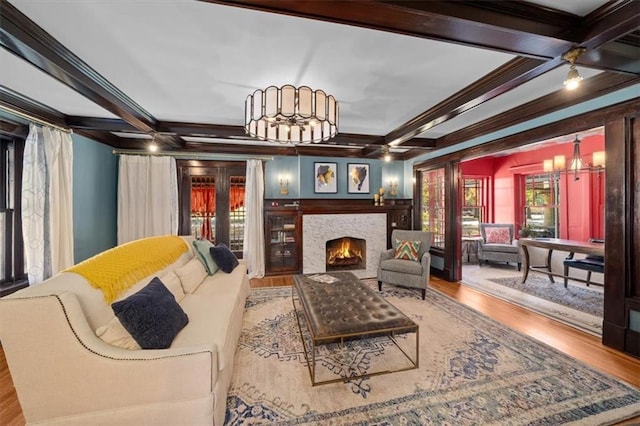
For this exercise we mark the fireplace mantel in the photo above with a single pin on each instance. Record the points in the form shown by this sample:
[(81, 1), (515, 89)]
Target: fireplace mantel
[(398, 213)]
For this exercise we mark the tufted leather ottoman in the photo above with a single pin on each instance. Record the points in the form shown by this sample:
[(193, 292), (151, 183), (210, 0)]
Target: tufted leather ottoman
[(343, 309)]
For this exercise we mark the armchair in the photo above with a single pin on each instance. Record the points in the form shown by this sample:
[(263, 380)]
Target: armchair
[(406, 273), (498, 244)]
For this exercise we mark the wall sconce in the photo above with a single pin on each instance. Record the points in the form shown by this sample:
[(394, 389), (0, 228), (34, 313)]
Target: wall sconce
[(393, 188), (548, 166), (284, 185), (598, 161), (559, 162)]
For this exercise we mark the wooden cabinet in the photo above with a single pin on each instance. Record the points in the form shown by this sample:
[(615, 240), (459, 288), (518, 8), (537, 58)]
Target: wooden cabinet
[(283, 241)]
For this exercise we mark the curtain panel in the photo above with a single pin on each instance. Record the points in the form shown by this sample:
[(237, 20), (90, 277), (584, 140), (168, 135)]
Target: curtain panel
[(147, 197), (47, 202), (253, 247)]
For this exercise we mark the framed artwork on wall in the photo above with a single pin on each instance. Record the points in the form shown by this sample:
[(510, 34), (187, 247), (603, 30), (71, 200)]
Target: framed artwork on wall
[(358, 179), (325, 176)]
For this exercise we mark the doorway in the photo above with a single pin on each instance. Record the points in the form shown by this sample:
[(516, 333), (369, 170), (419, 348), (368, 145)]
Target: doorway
[(211, 195)]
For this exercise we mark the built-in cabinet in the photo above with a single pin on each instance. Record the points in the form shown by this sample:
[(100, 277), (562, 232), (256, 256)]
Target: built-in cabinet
[(283, 240)]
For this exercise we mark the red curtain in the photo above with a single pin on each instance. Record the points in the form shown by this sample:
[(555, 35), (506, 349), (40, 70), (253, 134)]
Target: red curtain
[(203, 204)]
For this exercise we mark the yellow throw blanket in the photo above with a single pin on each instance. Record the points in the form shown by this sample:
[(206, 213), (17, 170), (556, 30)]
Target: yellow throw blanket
[(118, 269)]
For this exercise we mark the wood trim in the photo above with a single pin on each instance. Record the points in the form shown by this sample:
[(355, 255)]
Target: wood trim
[(591, 88), (25, 39), (513, 74), (30, 107), (574, 124)]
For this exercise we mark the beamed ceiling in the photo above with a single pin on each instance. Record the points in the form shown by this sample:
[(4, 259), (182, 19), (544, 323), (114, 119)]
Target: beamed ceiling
[(416, 75)]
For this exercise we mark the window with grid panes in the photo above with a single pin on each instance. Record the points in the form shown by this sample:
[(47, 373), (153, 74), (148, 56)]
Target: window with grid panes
[(433, 213), (473, 206)]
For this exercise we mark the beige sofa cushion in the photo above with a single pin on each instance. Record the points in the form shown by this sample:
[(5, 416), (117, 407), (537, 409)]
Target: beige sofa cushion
[(172, 282), (115, 334), (191, 275)]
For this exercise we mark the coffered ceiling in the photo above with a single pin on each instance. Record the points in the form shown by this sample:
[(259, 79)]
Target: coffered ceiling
[(414, 75)]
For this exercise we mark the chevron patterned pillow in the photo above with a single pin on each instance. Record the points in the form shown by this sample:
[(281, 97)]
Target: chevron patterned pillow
[(407, 250)]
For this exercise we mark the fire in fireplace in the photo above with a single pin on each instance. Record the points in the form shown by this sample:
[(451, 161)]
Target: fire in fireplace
[(346, 253)]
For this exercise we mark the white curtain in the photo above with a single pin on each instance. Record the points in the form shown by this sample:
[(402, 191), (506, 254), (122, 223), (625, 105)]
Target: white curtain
[(47, 202), (253, 247), (147, 197)]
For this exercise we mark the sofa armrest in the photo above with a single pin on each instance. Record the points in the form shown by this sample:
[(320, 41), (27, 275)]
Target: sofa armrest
[(386, 254), (426, 264), (61, 368)]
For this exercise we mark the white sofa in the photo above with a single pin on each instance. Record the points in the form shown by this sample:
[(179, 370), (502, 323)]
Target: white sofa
[(65, 374)]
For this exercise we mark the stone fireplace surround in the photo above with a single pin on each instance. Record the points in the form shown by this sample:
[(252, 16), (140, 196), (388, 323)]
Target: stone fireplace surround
[(317, 229)]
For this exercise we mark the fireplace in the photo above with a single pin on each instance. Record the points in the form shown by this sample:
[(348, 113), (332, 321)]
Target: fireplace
[(346, 254)]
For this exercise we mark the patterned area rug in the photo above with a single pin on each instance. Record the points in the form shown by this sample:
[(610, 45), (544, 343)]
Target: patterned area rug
[(472, 370), (582, 299), (577, 306)]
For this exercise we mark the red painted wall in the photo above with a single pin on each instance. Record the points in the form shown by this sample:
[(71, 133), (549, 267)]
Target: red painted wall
[(581, 201)]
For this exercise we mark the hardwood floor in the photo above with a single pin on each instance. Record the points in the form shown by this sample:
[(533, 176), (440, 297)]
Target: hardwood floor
[(572, 342)]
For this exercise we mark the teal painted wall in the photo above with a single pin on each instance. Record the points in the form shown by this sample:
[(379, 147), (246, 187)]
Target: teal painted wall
[(299, 172), (95, 181)]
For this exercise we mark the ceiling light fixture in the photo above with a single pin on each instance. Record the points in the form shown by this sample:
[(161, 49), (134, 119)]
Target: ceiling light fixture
[(387, 154), (573, 76), (153, 146), (576, 160), (291, 115)]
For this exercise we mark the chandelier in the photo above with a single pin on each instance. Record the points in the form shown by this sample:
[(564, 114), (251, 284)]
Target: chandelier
[(291, 115)]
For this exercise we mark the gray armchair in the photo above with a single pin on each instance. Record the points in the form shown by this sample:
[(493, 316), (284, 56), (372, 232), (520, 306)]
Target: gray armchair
[(509, 251), (406, 273)]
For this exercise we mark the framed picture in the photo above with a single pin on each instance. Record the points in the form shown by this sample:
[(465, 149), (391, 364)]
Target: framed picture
[(358, 180), (325, 176)]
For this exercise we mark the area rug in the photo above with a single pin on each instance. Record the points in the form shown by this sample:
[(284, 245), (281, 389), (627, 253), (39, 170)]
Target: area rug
[(583, 299), (576, 306), (473, 370)]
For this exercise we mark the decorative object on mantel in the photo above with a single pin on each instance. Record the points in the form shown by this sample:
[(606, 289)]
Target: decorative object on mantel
[(291, 114), (381, 191)]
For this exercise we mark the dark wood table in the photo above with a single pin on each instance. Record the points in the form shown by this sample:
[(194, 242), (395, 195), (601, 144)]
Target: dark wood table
[(343, 309), (555, 244)]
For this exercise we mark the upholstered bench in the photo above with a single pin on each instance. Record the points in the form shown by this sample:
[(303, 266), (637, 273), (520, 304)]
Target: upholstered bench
[(342, 309)]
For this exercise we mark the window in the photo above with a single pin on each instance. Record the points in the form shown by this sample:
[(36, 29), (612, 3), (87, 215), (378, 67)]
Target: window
[(541, 205), (473, 206), (12, 266), (433, 218)]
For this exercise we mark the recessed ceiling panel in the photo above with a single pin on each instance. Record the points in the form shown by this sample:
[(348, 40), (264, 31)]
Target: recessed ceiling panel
[(22, 77), (197, 62)]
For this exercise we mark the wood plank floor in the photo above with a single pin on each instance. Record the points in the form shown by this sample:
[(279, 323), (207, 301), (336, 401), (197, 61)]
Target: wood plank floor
[(574, 343)]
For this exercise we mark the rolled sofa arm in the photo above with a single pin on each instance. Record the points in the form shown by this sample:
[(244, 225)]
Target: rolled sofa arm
[(426, 265), (386, 254), (60, 368)]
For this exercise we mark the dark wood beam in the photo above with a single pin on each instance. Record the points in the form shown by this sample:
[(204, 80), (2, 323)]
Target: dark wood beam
[(578, 123), (24, 38), (474, 24), (13, 129), (31, 108), (596, 86), (513, 27), (496, 83)]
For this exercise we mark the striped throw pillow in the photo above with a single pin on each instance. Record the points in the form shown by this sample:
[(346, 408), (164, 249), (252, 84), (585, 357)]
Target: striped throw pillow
[(407, 250)]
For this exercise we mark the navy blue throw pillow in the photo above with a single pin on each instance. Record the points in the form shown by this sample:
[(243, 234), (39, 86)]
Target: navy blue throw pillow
[(224, 257), (152, 316)]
